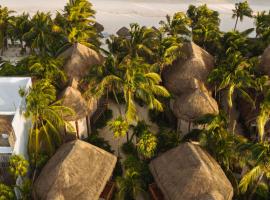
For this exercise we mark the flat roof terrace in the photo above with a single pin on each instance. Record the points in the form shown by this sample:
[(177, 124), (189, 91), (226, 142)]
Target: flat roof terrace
[(10, 99)]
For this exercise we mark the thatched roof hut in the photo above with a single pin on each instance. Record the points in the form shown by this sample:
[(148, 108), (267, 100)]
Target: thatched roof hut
[(79, 60), (188, 172), (78, 170), (194, 104), (72, 98), (265, 62), (195, 64), (99, 27), (123, 32)]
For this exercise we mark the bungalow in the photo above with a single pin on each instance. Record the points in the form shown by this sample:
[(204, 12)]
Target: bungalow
[(13, 126)]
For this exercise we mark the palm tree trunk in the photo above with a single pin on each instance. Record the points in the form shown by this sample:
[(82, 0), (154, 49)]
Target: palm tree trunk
[(253, 191), (236, 22), (189, 126)]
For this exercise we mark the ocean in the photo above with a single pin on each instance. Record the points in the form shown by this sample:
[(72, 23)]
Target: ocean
[(114, 14)]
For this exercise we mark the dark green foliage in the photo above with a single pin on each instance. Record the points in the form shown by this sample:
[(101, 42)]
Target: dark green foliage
[(100, 142), (103, 119), (129, 148), (167, 139)]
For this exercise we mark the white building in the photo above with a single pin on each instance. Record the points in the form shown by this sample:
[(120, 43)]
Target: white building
[(13, 125)]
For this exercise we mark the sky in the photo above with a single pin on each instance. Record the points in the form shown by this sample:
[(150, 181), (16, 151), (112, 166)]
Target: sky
[(114, 14)]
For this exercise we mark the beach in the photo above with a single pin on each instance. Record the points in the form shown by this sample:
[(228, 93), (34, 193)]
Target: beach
[(114, 14)]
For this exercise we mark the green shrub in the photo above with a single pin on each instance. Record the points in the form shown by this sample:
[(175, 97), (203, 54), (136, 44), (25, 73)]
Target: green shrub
[(129, 148), (6, 192), (167, 139), (99, 142)]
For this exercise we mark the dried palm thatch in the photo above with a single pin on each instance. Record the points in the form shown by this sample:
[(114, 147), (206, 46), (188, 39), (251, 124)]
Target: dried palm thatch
[(196, 63), (99, 27), (194, 104), (5, 124), (72, 98), (79, 60), (78, 170), (123, 32), (188, 172), (265, 62)]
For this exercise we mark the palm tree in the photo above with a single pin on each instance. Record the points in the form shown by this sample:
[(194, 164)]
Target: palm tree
[(46, 67), (129, 186), (147, 144), (40, 35), (46, 115), (176, 26), (5, 20), (241, 9), (79, 23), (134, 80), (19, 26), (259, 167), (233, 74)]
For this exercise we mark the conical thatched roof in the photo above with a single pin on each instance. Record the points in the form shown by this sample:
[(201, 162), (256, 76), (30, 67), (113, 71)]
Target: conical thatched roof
[(195, 64), (78, 170), (99, 27), (194, 104), (265, 62), (5, 124), (72, 98), (79, 60), (123, 32), (187, 172)]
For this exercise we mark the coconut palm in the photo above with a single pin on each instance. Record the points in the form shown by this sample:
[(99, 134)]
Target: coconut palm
[(129, 186), (178, 25), (241, 10), (5, 20), (259, 170), (39, 36), (19, 26), (135, 81), (46, 67), (233, 74), (79, 23), (46, 115)]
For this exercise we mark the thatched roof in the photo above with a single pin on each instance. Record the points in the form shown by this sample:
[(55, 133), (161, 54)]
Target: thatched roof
[(72, 98), (79, 60), (187, 172), (194, 104), (195, 64), (5, 124), (99, 27), (265, 62), (78, 170), (123, 32)]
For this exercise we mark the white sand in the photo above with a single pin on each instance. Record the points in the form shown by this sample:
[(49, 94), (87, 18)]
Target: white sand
[(114, 14)]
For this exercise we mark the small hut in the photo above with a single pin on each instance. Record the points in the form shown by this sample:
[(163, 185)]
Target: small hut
[(99, 27), (195, 64), (78, 170), (265, 62), (192, 106), (188, 172), (79, 60), (83, 109), (123, 32)]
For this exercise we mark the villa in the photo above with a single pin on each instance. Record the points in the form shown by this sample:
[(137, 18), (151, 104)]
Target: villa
[(13, 126)]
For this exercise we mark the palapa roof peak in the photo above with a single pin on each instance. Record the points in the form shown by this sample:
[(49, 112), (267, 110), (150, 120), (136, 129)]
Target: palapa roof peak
[(72, 98), (78, 170), (123, 32), (194, 104), (79, 60), (265, 62), (195, 64), (188, 172)]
